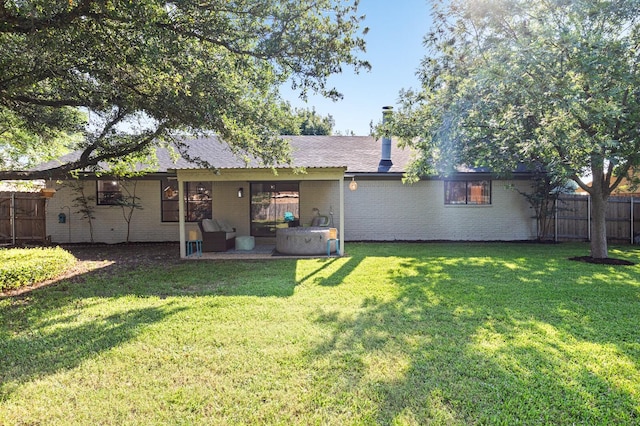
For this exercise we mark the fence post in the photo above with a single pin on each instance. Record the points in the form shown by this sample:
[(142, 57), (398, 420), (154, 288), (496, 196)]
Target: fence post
[(589, 218), (555, 217), (12, 207), (631, 215)]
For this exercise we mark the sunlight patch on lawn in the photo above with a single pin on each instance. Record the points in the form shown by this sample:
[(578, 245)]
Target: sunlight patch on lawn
[(463, 311), (386, 366), (537, 351), (435, 408)]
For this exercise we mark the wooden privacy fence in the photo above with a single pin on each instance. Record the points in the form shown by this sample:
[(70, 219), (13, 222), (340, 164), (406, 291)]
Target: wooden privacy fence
[(572, 219), (22, 217)]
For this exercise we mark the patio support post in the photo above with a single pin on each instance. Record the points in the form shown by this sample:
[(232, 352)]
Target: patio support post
[(183, 248), (341, 182)]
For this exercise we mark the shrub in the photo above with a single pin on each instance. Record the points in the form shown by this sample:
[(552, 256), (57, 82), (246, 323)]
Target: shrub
[(22, 267)]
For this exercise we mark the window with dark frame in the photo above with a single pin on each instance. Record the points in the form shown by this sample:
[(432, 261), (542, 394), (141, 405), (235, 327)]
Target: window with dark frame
[(270, 202), (198, 202), (467, 192), (169, 200), (108, 193)]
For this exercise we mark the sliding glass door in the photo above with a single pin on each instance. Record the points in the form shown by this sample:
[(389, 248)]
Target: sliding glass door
[(269, 203)]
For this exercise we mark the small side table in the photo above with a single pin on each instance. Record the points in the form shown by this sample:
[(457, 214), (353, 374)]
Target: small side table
[(194, 245), (337, 240)]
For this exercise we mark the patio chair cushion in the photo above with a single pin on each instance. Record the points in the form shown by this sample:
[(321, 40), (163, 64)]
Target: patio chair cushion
[(225, 227), (210, 225)]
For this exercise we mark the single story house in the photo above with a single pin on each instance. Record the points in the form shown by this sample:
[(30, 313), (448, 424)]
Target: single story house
[(355, 181)]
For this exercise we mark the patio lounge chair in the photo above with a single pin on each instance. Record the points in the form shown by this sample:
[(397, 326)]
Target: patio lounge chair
[(217, 235)]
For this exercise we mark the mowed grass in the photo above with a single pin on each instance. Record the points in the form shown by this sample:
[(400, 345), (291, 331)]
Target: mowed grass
[(392, 334)]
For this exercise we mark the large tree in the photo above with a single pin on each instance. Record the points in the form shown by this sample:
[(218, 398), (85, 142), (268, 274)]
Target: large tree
[(127, 75), (308, 122), (549, 82)]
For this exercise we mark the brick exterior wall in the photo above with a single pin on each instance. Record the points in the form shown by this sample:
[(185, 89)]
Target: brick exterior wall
[(377, 211), (390, 210), (109, 225)]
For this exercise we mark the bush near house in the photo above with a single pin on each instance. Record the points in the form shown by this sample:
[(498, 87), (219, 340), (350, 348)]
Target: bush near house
[(22, 267)]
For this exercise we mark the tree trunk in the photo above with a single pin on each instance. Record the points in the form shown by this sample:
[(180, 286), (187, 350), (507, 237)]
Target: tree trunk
[(599, 248), (599, 197)]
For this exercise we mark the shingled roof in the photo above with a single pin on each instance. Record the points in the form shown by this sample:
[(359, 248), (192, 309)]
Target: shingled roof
[(359, 154)]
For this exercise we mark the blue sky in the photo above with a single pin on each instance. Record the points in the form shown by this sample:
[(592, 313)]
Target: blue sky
[(394, 49)]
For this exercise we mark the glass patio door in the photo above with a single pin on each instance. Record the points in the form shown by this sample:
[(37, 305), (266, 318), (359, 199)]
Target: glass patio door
[(269, 203)]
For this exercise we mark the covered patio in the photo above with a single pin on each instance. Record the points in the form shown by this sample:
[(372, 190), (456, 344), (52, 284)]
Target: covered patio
[(262, 251), (233, 200)]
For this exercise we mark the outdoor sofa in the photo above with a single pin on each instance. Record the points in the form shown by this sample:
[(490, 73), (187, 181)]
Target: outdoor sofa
[(217, 235)]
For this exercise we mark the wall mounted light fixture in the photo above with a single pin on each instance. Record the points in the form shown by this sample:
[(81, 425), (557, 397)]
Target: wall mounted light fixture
[(353, 185), (240, 192)]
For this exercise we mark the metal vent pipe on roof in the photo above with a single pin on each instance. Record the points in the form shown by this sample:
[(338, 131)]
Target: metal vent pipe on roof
[(385, 157)]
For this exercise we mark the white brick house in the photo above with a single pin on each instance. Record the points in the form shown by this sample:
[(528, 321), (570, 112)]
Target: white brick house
[(472, 206)]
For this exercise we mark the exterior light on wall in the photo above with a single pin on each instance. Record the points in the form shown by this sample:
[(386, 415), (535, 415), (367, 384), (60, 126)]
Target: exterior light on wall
[(200, 188), (353, 185), (240, 192)]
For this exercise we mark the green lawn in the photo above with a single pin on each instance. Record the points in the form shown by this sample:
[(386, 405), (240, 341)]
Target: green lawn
[(392, 334)]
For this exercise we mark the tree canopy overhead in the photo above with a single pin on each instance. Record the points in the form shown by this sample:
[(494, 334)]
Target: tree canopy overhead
[(548, 82), (129, 74), (308, 122)]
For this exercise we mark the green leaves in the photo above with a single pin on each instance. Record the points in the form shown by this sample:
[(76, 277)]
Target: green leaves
[(308, 122), (508, 81), (528, 81), (187, 66)]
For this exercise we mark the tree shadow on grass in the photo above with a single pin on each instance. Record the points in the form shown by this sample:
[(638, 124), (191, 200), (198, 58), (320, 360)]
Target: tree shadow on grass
[(58, 327), (487, 340), (156, 270), (257, 278), (33, 346), (325, 275)]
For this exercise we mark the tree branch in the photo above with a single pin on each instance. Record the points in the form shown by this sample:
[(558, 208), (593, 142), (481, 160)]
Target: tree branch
[(10, 23), (85, 161), (58, 103)]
